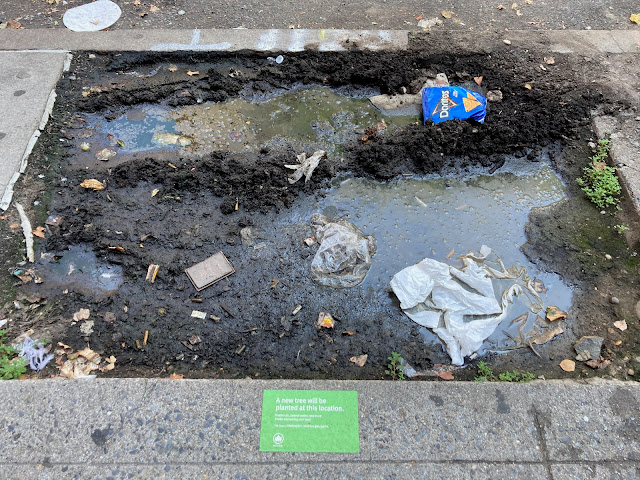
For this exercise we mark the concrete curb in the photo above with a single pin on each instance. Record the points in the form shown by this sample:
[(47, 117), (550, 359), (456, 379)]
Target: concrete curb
[(177, 429)]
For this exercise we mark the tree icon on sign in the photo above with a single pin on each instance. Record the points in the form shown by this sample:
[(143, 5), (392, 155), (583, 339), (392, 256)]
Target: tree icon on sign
[(278, 438)]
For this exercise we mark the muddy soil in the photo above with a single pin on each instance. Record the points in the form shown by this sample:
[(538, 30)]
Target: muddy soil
[(204, 201)]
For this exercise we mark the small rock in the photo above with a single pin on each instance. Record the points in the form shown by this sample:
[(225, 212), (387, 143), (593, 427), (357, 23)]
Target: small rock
[(494, 96), (588, 348), (591, 145), (181, 12), (614, 300), (429, 22), (631, 372), (608, 257), (506, 42)]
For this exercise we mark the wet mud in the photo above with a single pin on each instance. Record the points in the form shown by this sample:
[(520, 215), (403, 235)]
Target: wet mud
[(174, 204)]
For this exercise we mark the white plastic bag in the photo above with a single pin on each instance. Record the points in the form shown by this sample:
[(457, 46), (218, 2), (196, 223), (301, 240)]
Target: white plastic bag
[(345, 252), (461, 306)]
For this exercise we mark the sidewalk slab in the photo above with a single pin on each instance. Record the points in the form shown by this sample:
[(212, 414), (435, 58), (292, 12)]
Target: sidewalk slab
[(162, 428), (27, 84)]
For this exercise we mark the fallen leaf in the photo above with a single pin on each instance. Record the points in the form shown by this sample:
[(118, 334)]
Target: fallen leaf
[(119, 249), (549, 60), (446, 13), (175, 376), (635, 18), (539, 287), (617, 343), (500, 7), (93, 184), (39, 232), (444, 375), (105, 154), (82, 314), (191, 73), (360, 360), (153, 9), (554, 313), (568, 365), (14, 24), (528, 86), (155, 192), (598, 364), (419, 17), (14, 225), (620, 325), (172, 68), (95, 22), (349, 333), (478, 80)]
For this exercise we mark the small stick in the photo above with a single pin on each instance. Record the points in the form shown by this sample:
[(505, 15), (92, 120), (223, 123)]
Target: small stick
[(26, 229), (146, 337)]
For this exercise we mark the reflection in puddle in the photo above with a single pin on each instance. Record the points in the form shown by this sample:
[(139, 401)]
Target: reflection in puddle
[(78, 269), (318, 116), (443, 218)]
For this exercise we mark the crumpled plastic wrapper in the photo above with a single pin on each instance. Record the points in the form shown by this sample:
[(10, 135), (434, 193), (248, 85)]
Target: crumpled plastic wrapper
[(460, 305), (305, 166), (345, 253)]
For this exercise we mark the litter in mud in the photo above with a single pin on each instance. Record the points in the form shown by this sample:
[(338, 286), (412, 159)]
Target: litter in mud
[(105, 154), (445, 299), (345, 253), (448, 103), (92, 184), (81, 364), (152, 273), (359, 360), (305, 166), (325, 320), (92, 17), (554, 313), (26, 229), (199, 314), (209, 271), (568, 365), (53, 220), (35, 353), (27, 275)]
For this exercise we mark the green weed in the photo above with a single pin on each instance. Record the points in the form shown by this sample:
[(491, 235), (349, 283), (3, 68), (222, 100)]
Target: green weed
[(485, 374), (394, 368), (599, 181), (620, 228), (11, 366)]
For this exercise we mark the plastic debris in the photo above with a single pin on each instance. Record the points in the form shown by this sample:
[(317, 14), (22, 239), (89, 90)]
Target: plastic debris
[(105, 154), (345, 253), (309, 241), (26, 229), (35, 353), (305, 166), (199, 314), (27, 275), (325, 320), (296, 310), (446, 103), (152, 273), (209, 271), (92, 17), (460, 306)]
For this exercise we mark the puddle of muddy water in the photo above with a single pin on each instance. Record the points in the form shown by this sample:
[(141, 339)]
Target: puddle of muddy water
[(443, 218), (316, 116), (78, 269)]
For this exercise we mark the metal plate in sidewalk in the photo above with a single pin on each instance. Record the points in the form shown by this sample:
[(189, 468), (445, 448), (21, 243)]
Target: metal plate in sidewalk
[(209, 271)]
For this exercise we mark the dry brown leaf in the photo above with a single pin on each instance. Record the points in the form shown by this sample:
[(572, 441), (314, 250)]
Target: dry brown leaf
[(568, 365), (419, 17), (446, 13), (14, 24), (14, 225), (360, 360), (93, 184), (82, 314), (192, 73), (444, 375), (620, 325), (175, 376), (153, 9), (528, 86), (554, 313), (478, 80), (39, 232)]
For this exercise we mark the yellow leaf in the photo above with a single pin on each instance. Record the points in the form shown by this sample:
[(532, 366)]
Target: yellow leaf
[(568, 365), (554, 313), (39, 232), (635, 18), (446, 13), (93, 184), (155, 192), (528, 86)]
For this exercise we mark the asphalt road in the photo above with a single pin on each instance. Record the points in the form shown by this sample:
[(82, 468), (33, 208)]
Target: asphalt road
[(353, 14)]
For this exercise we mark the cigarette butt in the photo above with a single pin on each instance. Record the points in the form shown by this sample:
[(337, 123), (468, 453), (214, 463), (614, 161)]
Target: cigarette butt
[(451, 253), (146, 337)]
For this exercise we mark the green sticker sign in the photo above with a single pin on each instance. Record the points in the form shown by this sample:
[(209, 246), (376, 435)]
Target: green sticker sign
[(310, 421)]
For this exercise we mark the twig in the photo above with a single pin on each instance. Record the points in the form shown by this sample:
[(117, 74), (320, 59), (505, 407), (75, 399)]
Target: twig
[(26, 229)]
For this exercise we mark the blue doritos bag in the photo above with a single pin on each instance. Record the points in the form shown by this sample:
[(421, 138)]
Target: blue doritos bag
[(446, 103)]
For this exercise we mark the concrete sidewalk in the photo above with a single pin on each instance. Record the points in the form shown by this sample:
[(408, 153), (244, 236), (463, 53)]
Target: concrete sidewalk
[(154, 428)]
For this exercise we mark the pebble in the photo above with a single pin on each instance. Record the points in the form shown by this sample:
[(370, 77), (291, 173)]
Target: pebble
[(614, 300), (506, 42), (181, 12), (631, 372), (608, 257)]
